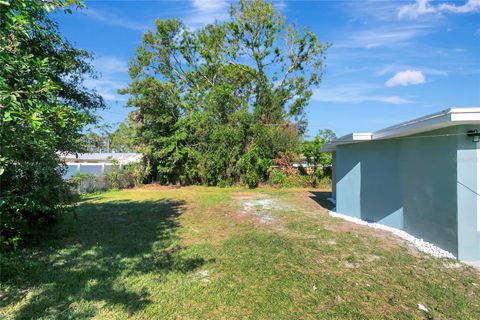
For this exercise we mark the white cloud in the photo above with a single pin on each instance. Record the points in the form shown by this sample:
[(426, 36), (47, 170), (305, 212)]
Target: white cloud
[(115, 20), (107, 88), (423, 7), (206, 11), (209, 5), (384, 37), (112, 76), (280, 5), (406, 78), (470, 6), (368, 9), (385, 69), (354, 94), (390, 68), (420, 7), (110, 64), (395, 100)]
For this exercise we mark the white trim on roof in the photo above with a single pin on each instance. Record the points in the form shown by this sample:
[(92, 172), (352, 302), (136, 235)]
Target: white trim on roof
[(122, 158), (349, 138), (442, 119), (357, 136)]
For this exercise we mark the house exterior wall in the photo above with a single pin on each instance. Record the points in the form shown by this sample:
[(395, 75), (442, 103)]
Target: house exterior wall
[(368, 182), (334, 185), (428, 168), (411, 183), (468, 193)]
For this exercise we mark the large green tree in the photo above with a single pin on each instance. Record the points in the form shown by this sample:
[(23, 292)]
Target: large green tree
[(216, 105), (43, 108), (123, 139)]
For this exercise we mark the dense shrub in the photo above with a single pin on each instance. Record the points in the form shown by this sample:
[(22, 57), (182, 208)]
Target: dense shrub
[(129, 176), (288, 179), (88, 183), (278, 177), (324, 183), (298, 178), (224, 183), (118, 179), (253, 167), (33, 197), (139, 172)]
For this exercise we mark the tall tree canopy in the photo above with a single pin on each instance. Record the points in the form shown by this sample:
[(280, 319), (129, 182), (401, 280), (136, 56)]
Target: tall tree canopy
[(43, 108), (216, 105)]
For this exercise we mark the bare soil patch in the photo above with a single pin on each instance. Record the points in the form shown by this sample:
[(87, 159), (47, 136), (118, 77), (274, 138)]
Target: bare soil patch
[(258, 207)]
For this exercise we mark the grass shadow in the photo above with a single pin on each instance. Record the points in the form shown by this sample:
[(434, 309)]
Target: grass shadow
[(321, 197), (109, 241)]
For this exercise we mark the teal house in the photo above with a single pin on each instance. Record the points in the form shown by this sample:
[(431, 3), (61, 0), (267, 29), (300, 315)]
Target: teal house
[(421, 176)]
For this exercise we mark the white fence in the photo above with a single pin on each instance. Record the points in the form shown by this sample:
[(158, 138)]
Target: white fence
[(96, 169)]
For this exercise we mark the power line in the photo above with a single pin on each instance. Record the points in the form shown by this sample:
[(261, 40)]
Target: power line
[(427, 136)]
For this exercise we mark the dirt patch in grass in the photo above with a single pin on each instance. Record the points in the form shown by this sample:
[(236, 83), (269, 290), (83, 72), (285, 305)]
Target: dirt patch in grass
[(259, 209)]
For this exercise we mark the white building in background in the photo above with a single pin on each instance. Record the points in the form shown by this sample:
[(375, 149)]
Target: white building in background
[(96, 163)]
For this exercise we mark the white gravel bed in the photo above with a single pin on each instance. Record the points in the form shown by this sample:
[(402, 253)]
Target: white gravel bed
[(420, 244)]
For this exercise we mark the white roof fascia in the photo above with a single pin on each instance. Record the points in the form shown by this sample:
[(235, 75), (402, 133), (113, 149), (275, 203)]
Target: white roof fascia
[(442, 119), (349, 138), (122, 158), (468, 115)]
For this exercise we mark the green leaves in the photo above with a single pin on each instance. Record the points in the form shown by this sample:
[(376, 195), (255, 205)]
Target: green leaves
[(36, 120), (311, 149), (43, 108)]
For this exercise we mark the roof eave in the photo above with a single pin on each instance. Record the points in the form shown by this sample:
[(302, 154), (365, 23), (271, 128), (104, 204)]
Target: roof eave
[(442, 119), (347, 139)]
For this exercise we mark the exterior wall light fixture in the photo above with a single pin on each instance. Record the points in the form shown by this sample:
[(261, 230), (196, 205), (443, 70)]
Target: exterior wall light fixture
[(475, 134)]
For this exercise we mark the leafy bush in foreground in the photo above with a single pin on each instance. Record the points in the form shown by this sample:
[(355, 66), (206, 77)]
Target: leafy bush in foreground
[(43, 108)]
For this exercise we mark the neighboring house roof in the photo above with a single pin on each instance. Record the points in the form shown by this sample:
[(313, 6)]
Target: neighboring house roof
[(442, 119), (123, 158)]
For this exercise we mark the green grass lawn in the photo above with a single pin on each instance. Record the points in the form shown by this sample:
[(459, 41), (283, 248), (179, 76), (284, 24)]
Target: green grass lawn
[(212, 253)]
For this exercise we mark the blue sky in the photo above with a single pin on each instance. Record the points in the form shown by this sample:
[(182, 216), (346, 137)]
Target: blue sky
[(390, 61)]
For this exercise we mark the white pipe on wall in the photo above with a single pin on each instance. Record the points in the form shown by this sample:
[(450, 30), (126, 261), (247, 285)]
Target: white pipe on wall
[(478, 186)]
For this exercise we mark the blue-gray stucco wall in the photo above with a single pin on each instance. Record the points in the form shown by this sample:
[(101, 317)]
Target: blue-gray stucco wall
[(411, 183), (368, 173), (468, 194), (429, 173)]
